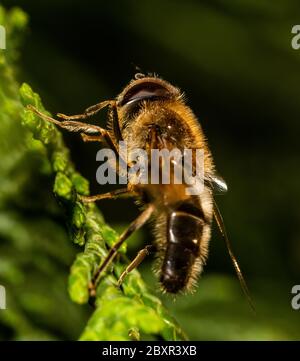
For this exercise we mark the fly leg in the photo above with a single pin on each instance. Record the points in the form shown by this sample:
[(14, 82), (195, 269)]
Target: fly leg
[(135, 225), (142, 254), (94, 109), (122, 192), (79, 127)]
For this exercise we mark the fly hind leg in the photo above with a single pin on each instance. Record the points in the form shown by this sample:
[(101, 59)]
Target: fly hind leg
[(142, 254), (135, 225)]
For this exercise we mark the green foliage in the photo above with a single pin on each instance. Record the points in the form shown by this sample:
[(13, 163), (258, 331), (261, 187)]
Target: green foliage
[(120, 314), (34, 253)]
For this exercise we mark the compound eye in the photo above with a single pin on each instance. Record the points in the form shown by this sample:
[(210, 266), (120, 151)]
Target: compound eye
[(144, 91)]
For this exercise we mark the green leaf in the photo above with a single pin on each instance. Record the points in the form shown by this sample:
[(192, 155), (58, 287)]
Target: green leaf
[(131, 312)]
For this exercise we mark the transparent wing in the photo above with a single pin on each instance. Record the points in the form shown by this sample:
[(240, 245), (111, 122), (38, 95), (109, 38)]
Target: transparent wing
[(216, 183), (219, 219)]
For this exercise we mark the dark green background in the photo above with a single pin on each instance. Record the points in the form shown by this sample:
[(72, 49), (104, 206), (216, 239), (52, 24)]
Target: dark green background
[(234, 61)]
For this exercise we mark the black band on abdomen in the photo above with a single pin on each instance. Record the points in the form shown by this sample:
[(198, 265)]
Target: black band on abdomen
[(183, 247)]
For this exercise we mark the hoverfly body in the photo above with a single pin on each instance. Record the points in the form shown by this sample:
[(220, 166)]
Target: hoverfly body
[(151, 113)]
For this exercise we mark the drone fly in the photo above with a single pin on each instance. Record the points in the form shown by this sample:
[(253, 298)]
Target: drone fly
[(151, 113)]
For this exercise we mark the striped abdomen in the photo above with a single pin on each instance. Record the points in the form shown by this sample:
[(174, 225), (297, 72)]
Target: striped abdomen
[(186, 248)]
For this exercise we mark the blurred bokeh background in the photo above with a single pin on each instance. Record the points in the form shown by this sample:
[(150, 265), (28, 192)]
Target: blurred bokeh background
[(234, 61)]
